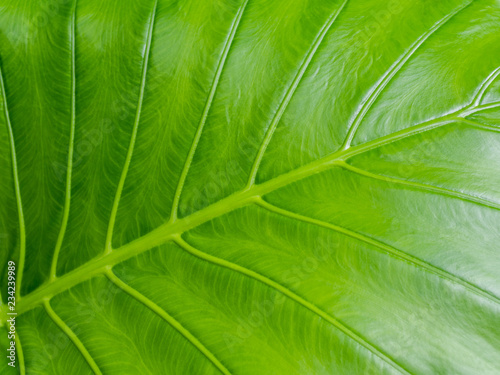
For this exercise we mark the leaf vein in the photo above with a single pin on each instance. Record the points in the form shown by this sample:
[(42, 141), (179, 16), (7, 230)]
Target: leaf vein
[(479, 108), (290, 294), (73, 337), (484, 86), (133, 137), (480, 125), (168, 318), (420, 186), (20, 355), (390, 74), (396, 253), (215, 83), (237, 200), (22, 229), (67, 199), (290, 92)]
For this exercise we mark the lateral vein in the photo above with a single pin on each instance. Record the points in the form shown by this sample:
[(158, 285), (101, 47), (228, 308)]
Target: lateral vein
[(67, 199), (291, 90), (396, 253), (484, 87), (20, 355), (73, 337), (215, 83), (479, 125), (290, 294), (390, 74), (168, 318), (420, 186), (116, 202), (22, 229)]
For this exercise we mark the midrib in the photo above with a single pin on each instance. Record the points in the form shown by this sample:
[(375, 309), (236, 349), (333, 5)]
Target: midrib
[(167, 231)]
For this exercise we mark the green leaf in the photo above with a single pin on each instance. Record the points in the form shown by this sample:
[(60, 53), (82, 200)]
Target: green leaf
[(251, 186)]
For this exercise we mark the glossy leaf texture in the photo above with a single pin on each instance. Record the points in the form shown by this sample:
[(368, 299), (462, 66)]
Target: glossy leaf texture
[(251, 187)]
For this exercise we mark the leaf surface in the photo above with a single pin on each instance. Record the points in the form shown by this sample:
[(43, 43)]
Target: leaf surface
[(251, 186)]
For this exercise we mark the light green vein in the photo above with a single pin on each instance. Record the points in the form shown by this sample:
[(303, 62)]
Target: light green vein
[(290, 294), (130, 151), (20, 355), (390, 74), (386, 248), (168, 318), (201, 125), (22, 230), (291, 90), (237, 200), (67, 199), (71, 335), (469, 110), (479, 125), (165, 232), (484, 87), (419, 186)]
